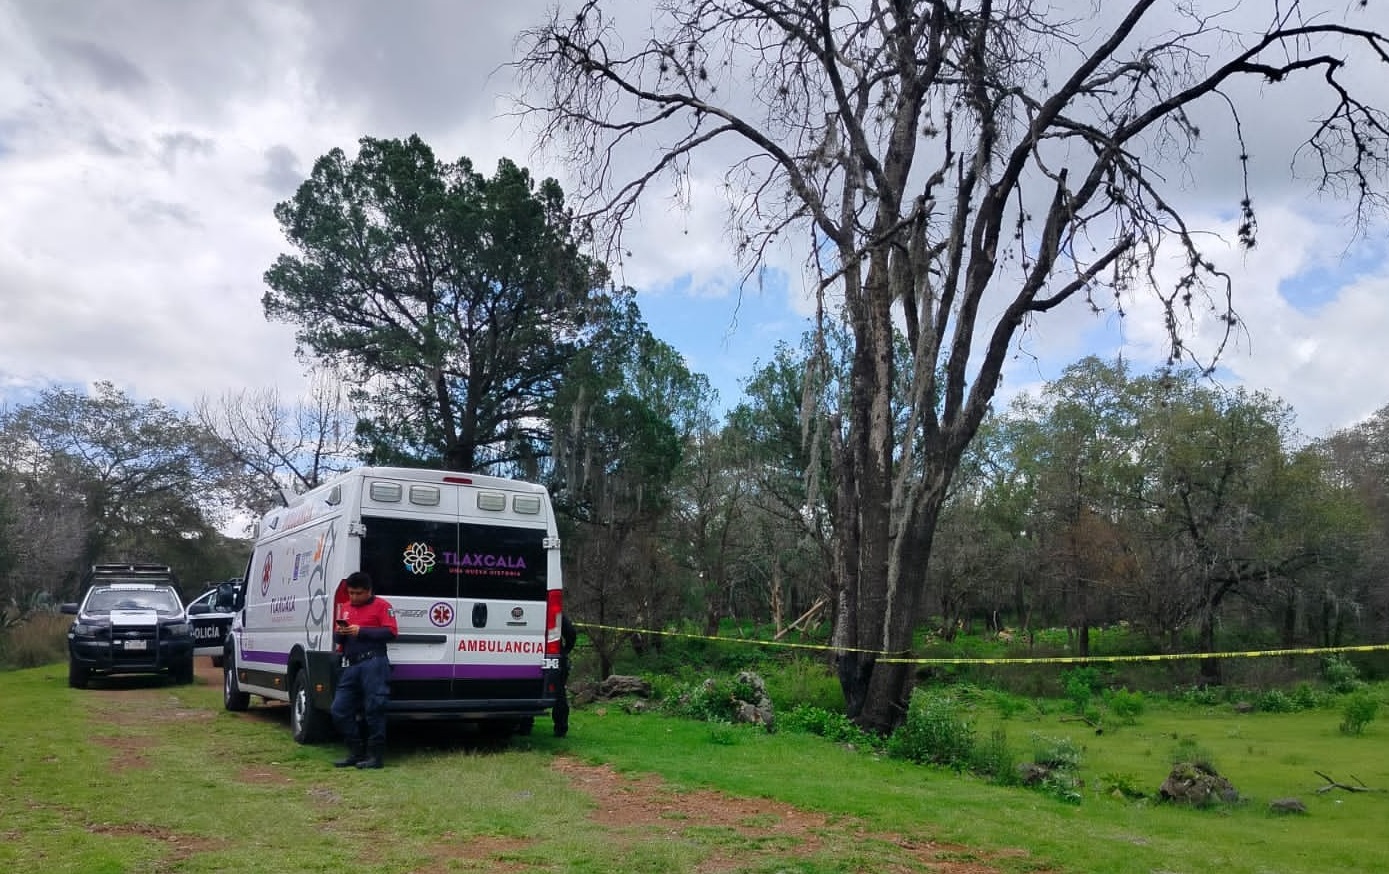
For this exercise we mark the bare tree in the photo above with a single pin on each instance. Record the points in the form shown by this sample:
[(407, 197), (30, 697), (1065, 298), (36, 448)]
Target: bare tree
[(962, 168), (285, 450)]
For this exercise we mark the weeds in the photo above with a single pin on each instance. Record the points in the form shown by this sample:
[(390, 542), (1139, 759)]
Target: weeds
[(39, 639), (1188, 749)]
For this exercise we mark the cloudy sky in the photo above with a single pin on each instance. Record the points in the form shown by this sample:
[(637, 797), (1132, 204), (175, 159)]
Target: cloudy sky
[(144, 143)]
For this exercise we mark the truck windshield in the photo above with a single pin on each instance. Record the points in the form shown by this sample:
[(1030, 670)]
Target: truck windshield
[(106, 600)]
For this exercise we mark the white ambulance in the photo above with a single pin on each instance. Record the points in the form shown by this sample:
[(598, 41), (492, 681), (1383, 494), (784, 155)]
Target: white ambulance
[(470, 564)]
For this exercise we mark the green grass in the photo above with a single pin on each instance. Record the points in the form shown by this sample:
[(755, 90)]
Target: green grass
[(140, 776)]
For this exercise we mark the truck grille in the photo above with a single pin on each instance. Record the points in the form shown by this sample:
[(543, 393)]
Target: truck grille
[(134, 645)]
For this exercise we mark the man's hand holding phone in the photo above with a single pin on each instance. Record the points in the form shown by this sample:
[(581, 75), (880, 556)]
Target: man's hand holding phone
[(344, 628)]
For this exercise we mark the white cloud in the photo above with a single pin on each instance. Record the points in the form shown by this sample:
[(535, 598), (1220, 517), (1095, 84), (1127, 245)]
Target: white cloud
[(144, 144)]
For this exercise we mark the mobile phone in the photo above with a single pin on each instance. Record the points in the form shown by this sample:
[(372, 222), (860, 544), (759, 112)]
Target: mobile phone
[(342, 623)]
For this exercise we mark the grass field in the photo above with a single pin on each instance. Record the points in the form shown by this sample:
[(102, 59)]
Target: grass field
[(138, 776)]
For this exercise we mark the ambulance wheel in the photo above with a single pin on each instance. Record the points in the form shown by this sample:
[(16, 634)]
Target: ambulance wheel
[(307, 723), (233, 698)]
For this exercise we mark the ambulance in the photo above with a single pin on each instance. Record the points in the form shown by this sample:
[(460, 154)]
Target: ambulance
[(471, 566)]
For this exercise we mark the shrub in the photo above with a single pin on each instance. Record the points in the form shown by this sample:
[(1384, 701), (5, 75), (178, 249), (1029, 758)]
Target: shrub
[(1360, 710), (712, 700), (1009, 706), (1079, 684), (934, 732), (1058, 758), (994, 758), (1126, 705), (1341, 676), (1063, 786), (1275, 701), (1123, 785), (828, 724), (1055, 753), (1305, 697)]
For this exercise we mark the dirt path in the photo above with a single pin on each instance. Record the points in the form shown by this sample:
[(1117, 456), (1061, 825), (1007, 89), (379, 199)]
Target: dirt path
[(632, 810)]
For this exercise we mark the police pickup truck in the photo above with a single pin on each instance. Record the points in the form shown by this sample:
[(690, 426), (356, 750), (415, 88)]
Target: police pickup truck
[(131, 621)]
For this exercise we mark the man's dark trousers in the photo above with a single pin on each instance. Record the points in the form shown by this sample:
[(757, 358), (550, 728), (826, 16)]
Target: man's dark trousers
[(363, 689)]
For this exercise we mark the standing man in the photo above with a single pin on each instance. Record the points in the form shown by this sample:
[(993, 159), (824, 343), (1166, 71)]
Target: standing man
[(364, 625), (568, 634)]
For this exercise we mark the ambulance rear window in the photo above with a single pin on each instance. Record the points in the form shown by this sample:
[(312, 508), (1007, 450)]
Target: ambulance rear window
[(429, 559)]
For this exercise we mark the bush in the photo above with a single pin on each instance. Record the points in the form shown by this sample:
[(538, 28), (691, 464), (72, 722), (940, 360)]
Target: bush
[(1275, 701), (713, 700), (934, 732), (1079, 684), (994, 758), (1059, 760), (1055, 753), (1009, 705), (1123, 785), (1341, 676), (1126, 705), (830, 725), (1305, 697), (1360, 710)]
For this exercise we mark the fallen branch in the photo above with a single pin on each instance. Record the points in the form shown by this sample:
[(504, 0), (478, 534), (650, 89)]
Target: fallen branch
[(814, 608), (1333, 784), (1099, 729)]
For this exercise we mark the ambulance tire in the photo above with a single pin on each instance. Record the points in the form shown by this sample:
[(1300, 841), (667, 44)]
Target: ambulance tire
[(233, 699), (307, 723)]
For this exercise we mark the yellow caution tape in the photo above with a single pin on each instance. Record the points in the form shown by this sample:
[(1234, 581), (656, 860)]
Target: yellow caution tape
[(1163, 657), (690, 636), (891, 658)]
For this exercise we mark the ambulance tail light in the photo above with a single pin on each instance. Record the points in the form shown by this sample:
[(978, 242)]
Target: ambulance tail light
[(340, 600), (554, 603)]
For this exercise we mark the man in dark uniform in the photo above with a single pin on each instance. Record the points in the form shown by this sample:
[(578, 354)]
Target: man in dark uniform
[(567, 635), (364, 625)]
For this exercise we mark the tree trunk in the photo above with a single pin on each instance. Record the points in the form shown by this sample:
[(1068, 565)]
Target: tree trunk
[(1209, 668)]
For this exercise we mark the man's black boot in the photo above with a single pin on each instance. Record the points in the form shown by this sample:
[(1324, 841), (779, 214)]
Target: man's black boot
[(354, 756), (374, 758)]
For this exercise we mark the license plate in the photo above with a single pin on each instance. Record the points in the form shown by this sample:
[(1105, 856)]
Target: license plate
[(135, 644)]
